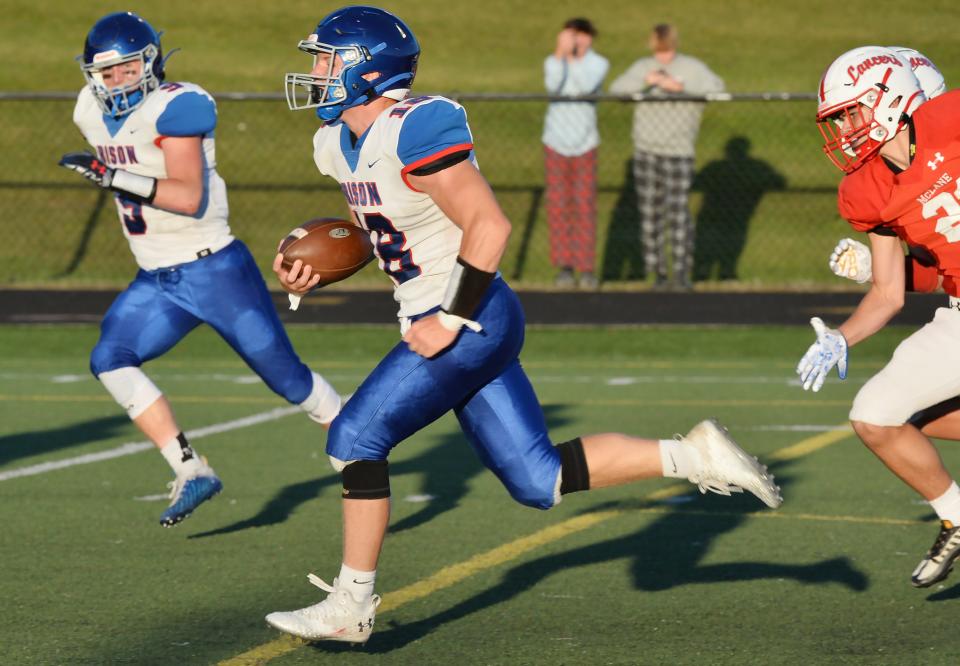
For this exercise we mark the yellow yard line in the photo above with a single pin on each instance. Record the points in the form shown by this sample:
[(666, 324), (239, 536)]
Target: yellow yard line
[(810, 444), (509, 551), (780, 515), (455, 573)]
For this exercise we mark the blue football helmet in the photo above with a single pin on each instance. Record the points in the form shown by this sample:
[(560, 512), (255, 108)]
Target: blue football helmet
[(118, 38), (355, 40)]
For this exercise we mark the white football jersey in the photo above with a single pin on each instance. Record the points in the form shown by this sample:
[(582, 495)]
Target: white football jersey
[(160, 238), (415, 243)]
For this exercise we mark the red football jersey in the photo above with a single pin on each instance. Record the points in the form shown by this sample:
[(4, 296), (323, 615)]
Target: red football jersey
[(864, 193), (861, 198), (924, 204)]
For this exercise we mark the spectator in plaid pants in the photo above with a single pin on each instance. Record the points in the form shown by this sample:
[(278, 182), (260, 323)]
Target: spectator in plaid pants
[(570, 141), (664, 136)]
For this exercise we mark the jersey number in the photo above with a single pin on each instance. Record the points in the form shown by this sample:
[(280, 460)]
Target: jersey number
[(397, 261), (949, 224), (132, 214)]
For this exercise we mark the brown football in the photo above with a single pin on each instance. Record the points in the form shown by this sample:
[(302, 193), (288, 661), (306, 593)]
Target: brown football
[(336, 249)]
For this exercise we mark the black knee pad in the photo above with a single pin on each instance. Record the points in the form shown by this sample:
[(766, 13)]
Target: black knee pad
[(366, 479), (574, 474)]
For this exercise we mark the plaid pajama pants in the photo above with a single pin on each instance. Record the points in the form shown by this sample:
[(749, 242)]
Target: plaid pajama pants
[(571, 201), (663, 185)]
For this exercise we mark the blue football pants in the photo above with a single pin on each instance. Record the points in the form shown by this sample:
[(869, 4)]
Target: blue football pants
[(226, 291), (480, 378)]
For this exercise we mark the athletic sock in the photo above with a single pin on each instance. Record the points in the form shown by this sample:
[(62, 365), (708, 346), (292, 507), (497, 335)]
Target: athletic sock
[(323, 403), (358, 583), (181, 456), (679, 459), (947, 505)]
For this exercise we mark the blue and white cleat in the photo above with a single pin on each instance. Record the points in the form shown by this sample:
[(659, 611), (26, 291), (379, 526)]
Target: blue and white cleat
[(190, 492)]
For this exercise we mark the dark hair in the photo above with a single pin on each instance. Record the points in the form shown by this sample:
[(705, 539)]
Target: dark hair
[(581, 25)]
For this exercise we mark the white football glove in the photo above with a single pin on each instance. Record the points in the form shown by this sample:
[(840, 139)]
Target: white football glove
[(829, 350), (851, 259)]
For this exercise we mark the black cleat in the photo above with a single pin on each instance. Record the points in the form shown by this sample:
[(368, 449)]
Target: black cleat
[(939, 560)]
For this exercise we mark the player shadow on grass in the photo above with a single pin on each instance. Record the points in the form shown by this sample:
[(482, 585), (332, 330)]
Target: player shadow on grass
[(622, 251), (444, 462), (664, 554), (447, 470), (37, 442), (947, 594)]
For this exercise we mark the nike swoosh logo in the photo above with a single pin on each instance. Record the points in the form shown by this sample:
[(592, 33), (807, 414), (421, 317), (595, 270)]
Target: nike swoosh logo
[(362, 582), (370, 164), (674, 463)]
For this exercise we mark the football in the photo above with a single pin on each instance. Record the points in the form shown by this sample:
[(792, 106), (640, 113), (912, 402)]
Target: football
[(336, 249)]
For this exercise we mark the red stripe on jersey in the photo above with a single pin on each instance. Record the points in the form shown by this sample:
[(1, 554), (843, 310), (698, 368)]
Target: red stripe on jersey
[(413, 166)]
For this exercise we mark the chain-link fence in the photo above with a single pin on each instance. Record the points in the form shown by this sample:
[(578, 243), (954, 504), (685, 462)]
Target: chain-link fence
[(763, 198)]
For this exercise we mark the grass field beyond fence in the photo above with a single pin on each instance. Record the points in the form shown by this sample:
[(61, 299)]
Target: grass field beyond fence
[(764, 203), (764, 200)]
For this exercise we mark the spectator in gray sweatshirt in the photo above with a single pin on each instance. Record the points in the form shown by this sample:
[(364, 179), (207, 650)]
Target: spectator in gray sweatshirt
[(570, 141), (664, 137)]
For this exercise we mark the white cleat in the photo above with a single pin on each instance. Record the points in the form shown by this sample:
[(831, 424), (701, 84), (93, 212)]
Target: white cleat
[(337, 618), (726, 468)]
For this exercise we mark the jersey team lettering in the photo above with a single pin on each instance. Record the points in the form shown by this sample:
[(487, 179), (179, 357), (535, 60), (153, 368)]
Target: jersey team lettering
[(858, 71)]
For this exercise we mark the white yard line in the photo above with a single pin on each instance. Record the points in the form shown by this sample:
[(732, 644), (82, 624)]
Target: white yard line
[(130, 448), (610, 379), (794, 428)]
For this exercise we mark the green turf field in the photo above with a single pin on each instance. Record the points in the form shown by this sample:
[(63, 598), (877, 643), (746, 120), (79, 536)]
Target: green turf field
[(648, 574)]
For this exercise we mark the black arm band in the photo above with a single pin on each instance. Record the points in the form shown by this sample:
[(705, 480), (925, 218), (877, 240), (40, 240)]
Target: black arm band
[(882, 230), (465, 290), (444, 162)]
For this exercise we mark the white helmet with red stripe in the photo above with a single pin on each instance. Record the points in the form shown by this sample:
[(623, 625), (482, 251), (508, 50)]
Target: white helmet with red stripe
[(864, 100), (931, 80)]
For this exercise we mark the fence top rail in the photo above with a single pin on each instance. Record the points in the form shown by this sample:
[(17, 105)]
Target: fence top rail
[(481, 97)]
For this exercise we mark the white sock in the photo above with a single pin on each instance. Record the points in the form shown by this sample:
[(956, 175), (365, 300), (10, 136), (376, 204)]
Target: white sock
[(947, 505), (323, 403), (358, 583), (181, 456), (679, 459)]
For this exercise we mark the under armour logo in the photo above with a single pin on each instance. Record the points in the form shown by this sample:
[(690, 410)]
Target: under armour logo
[(368, 624), (937, 159)]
